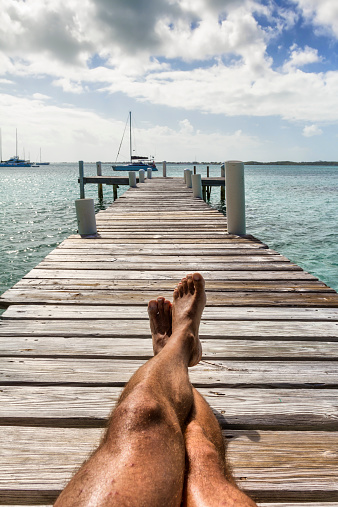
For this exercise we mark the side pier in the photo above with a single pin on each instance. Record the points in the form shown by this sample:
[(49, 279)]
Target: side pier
[(76, 328)]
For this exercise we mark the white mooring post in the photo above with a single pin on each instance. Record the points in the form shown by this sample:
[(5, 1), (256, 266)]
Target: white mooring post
[(149, 173), (188, 178), (132, 179), (196, 185), (235, 197), (185, 175), (141, 175), (164, 169), (85, 213)]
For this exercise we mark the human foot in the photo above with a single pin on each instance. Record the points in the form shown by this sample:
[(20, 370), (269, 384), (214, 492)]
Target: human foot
[(188, 304), (159, 312)]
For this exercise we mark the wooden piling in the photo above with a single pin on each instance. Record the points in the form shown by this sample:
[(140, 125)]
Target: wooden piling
[(99, 186)]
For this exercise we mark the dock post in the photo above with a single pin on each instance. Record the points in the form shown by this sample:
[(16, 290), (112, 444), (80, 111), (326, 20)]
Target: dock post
[(99, 186), (115, 187), (194, 169), (82, 190), (141, 175), (197, 185), (235, 197), (185, 175), (164, 169), (85, 213), (149, 173), (207, 196), (132, 179), (188, 178), (204, 192), (223, 176)]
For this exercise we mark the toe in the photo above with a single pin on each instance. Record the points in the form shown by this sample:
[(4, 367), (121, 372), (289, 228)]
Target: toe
[(160, 302), (185, 285), (198, 281), (166, 306), (180, 288), (191, 286), (176, 293), (152, 307)]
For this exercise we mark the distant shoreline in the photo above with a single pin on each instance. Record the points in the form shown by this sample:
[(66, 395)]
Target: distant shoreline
[(253, 162)]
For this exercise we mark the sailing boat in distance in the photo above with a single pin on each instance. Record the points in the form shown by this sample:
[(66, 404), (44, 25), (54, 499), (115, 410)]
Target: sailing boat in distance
[(14, 161), (42, 163), (136, 162)]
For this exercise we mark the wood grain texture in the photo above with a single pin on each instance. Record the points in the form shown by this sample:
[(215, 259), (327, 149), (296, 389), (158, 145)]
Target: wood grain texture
[(275, 455), (76, 329)]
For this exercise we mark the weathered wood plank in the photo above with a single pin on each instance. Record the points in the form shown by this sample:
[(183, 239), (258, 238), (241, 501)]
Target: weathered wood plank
[(58, 292), (22, 370), (140, 312), (287, 464), (287, 409), (176, 275), (327, 331), (128, 347), (115, 265)]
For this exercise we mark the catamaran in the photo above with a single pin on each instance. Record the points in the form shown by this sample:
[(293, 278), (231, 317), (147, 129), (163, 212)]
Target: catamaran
[(136, 162)]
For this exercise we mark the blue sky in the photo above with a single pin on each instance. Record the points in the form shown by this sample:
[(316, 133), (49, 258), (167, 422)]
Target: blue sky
[(205, 79)]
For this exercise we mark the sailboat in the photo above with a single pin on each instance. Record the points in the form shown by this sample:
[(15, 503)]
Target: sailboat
[(136, 162), (14, 161), (42, 163)]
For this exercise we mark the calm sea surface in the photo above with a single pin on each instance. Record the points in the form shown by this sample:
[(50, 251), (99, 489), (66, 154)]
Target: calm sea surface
[(291, 208)]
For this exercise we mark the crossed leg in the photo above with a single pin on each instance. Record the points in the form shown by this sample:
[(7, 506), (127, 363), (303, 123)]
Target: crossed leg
[(208, 481), (141, 459)]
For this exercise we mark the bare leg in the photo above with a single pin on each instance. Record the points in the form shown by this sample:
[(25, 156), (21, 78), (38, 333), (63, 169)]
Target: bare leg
[(208, 481), (141, 459)]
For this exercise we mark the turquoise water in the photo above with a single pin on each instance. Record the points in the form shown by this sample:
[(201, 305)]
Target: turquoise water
[(291, 208)]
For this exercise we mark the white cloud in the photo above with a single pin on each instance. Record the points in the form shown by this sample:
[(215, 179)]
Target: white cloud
[(323, 13), (312, 130), (300, 58)]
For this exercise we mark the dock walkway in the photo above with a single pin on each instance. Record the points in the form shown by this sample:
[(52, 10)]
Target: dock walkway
[(76, 328)]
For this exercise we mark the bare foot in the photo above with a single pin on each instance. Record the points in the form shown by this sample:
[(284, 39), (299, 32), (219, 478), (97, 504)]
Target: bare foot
[(188, 304), (159, 312)]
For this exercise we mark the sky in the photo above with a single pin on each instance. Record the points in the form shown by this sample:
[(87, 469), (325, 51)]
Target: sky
[(206, 80)]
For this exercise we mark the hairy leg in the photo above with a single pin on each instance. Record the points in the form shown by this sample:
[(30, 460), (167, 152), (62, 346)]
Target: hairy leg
[(208, 481), (141, 459)]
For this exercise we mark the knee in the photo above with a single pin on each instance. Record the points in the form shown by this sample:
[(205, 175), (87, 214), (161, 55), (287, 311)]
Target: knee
[(139, 411)]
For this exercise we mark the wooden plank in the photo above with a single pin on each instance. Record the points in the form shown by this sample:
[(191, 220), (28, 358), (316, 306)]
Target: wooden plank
[(104, 274), (287, 464), (213, 286), (327, 331), (58, 292), (140, 312), (89, 406), (22, 370), (174, 265), (132, 348), (150, 260)]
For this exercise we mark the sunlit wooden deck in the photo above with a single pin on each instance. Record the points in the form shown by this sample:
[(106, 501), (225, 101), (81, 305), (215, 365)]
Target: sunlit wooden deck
[(76, 328)]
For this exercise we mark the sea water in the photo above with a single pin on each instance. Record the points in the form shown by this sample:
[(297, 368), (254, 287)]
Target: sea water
[(293, 209)]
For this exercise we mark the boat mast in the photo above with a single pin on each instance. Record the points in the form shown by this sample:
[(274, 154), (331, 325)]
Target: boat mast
[(16, 142), (130, 147), (0, 146)]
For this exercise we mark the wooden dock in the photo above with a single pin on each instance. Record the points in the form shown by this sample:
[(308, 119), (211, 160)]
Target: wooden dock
[(76, 328)]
